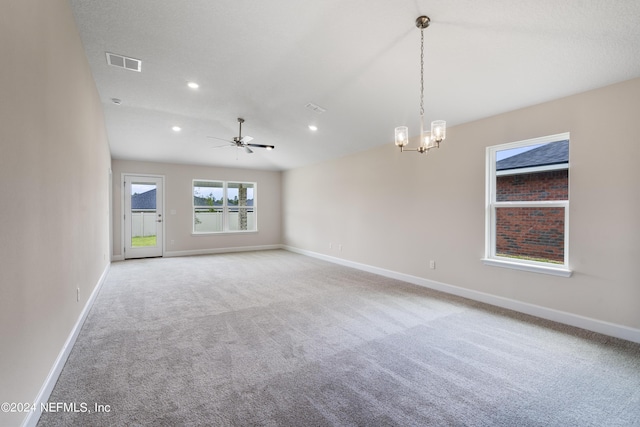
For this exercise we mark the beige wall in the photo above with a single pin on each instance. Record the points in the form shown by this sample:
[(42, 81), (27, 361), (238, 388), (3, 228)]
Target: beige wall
[(54, 187), (397, 210), (178, 197)]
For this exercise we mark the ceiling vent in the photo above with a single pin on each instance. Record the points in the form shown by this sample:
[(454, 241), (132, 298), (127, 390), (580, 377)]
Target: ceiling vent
[(318, 109), (124, 62)]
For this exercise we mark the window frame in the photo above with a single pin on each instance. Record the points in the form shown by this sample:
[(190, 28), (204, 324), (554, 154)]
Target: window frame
[(491, 207), (225, 207)]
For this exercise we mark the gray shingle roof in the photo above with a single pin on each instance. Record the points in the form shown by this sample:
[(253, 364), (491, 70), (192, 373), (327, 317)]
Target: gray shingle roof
[(146, 200), (549, 154)]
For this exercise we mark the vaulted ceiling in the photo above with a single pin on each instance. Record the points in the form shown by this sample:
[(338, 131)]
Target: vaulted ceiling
[(265, 61)]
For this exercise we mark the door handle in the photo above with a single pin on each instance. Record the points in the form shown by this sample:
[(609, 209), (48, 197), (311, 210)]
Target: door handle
[(159, 220)]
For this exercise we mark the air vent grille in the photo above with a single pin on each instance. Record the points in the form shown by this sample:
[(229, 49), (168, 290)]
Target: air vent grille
[(121, 61)]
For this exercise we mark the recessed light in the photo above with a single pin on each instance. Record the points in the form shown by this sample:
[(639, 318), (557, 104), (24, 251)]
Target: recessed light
[(193, 85), (176, 128), (116, 101), (313, 128)]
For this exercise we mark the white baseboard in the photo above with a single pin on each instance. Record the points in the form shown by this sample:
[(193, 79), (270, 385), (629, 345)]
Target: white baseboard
[(221, 250), (43, 396), (169, 254), (602, 327)]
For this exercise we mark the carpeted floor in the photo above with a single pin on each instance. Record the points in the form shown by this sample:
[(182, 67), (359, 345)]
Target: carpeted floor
[(278, 339)]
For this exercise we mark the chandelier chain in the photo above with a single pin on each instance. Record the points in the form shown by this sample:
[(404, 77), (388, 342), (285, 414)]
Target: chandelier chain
[(421, 72)]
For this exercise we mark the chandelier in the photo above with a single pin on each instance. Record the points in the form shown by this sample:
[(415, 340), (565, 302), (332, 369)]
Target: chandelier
[(428, 140)]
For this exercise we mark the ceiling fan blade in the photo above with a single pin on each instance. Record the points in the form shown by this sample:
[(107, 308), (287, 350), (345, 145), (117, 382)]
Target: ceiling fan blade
[(247, 149), (268, 147), (221, 139), (246, 139), (224, 146)]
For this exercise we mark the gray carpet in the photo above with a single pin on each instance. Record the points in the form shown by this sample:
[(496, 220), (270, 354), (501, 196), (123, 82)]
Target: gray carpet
[(278, 339)]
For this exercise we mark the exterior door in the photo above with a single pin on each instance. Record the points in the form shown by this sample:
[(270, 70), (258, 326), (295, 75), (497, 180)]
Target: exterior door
[(143, 216)]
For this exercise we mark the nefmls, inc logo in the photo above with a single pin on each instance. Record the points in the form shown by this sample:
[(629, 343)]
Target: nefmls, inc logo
[(77, 407)]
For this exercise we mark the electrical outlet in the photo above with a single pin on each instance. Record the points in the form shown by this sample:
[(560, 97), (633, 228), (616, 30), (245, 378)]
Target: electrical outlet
[(432, 264), (340, 247), (77, 294), (330, 245)]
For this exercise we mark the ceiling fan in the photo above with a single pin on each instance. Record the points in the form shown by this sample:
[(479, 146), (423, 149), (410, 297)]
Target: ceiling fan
[(242, 141)]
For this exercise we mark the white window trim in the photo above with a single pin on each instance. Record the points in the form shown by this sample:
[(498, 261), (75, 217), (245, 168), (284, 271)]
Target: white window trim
[(491, 205), (225, 209), (530, 266)]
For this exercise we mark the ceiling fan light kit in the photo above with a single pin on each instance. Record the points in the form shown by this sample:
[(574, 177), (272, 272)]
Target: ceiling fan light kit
[(428, 140)]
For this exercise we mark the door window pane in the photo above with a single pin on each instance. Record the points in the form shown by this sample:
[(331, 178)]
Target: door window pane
[(143, 214)]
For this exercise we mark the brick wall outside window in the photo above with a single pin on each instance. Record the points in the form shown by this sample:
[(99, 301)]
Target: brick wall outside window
[(551, 185), (531, 232)]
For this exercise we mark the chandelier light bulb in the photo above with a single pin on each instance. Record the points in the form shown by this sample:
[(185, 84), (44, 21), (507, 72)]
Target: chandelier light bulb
[(439, 130), (402, 136)]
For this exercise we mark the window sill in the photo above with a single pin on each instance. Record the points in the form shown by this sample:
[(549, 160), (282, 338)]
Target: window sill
[(555, 271), (224, 233)]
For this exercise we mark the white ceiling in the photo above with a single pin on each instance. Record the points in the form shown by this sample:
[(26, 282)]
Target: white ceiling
[(360, 60)]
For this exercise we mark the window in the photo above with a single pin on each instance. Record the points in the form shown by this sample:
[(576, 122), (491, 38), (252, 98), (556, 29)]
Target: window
[(527, 218), (224, 207)]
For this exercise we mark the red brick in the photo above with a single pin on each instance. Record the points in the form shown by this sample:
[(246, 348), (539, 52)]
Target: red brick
[(534, 232)]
